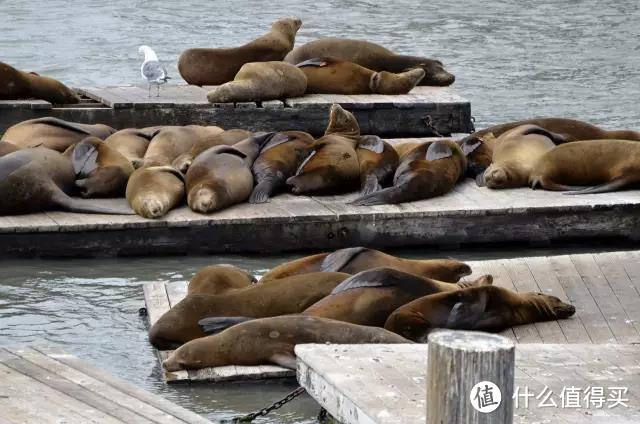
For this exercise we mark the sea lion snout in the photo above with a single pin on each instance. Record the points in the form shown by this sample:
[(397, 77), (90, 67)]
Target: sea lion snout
[(152, 208), (495, 177), (202, 200)]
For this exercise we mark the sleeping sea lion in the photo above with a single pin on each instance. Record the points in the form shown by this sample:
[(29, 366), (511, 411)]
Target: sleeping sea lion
[(334, 76), (218, 279), (372, 56), (38, 179), (378, 162), (484, 308), (271, 341), (172, 141), (132, 143), (352, 260), (258, 81), (286, 296), (154, 191), (226, 138), (16, 84), (53, 133), (203, 66), (429, 170), (279, 159)]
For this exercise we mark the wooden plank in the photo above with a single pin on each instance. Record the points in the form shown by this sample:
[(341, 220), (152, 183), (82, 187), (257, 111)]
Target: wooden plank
[(176, 291), (156, 300), (34, 104), (107, 97)]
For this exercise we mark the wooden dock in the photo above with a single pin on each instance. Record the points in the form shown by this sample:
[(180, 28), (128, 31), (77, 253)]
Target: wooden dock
[(385, 384), (47, 385), (130, 106), (604, 288), (467, 215)]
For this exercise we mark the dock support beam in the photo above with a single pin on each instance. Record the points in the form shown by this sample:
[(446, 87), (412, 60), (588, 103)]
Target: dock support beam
[(465, 369)]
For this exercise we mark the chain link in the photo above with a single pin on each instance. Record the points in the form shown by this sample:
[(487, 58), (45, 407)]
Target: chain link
[(264, 411)]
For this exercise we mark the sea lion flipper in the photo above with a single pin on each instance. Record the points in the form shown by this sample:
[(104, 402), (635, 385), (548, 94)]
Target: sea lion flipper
[(438, 150), (265, 188), (535, 129), (285, 360), (372, 143), (467, 312), (337, 260), (485, 280), (316, 61), (468, 146), (169, 169), (84, 158), (276, 140), (612, 185), (376, 277), (370, 185), (480, 180), (388, 195), (214, 325), (56, 122)]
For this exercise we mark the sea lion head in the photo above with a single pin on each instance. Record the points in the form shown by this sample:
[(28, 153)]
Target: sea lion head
[(497, 177), (447, 270), (342, 121), (203, 199), (435, 74), (191, 355), (217, 279), (550, 307), (389, 83), (151, 204), (288, 26)]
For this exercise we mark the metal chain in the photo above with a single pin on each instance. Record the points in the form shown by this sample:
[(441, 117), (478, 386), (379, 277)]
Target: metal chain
[(429, 124), (264, 411)]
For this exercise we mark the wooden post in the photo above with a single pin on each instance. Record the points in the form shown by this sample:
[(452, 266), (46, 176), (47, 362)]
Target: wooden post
[(461, 367)]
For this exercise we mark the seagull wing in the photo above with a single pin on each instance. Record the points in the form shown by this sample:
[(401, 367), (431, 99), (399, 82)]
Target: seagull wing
[(153, 71)]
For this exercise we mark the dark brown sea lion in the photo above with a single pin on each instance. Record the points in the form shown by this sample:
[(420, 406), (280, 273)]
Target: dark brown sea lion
[(286, 296), (132, 143), (6, 148), (429, 170), (218, 279), (16, 84), (100, 170), (568, 129), (258, 81), (221, 176), (172, 141), (226, 138), (53, 133), (353, 260), (590, 166), (271, 341), (378, 162), (202, 66), (279, 159), (334, 76), (484, 308), (332, 166), (154, 191), (372, 56), (38, 179)]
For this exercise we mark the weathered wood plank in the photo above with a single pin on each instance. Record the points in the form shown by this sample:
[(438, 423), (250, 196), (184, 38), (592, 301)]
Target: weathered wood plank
[(35, 104)]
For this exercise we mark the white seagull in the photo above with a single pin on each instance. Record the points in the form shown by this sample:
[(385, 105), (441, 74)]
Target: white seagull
[(152, 70)]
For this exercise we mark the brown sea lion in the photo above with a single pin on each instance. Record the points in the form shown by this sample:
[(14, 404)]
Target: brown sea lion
[(334, 76), (286, 296), (279, 159), (378, 162), (590, 166), (271, 341), (429, 170), (258, 81), (6, 148), (172, 141), (352, 260), (516, 153), (568, 129), (332, 166), (372, 56), (218, 279), (16, 84), (132, 143), (202, 66), (53, 133), (221, 176), (403, 148), (484, 308), (226, 138), (154, 191), (38, 179)]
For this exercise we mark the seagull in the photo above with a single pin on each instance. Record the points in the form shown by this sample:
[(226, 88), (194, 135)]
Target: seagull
[(152, 70)]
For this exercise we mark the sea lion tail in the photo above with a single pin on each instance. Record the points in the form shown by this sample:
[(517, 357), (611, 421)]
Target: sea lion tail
[(389, 195), (602, 188), (214, 325), (370, 185), (86, 206)]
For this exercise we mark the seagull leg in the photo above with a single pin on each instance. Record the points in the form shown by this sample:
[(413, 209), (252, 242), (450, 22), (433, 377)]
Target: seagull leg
[(158, 95), (149, 89)]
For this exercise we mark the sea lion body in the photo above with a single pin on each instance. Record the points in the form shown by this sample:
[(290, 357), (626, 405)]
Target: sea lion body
[(203, 66), (378, 162), (483, 308), (6, 148), (132, 143), (258, 81), (226, 138), (16, 84), (372, 56), (172, 141), (271, 341), (154, 191), (219, 279), (286, 296)]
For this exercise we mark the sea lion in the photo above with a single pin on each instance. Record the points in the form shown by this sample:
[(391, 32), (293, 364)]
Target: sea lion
[(258, 81), (484, 308), (568, 129), (100, 170), (154, 191), (172, 141), (352, 260), (38, 179), (16, 84), (403, 148), (278, 160), (221, 176), (218, 279), (227, 138), (372, 56), (286, 296), (589, 166), (271, 341), (53, 133), (203, 66), (332, 166), (6, 148), (515, 155), (132, 143), (378, 162), (429, 170), (334, 76)]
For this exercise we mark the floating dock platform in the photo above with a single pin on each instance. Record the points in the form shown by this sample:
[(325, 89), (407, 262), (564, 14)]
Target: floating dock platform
[(604, 288), (416, 114), (47, 385)]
